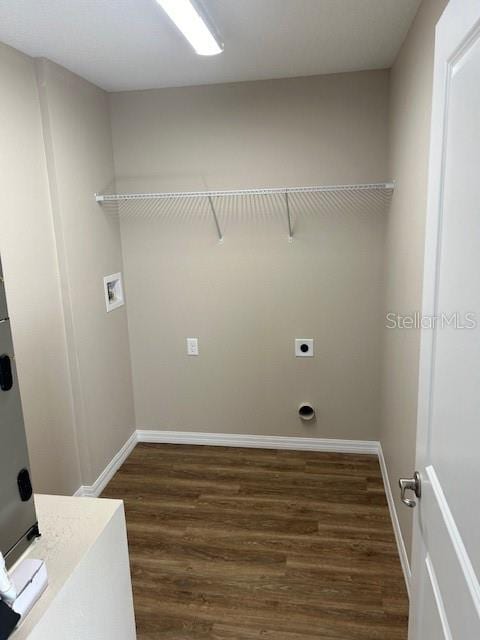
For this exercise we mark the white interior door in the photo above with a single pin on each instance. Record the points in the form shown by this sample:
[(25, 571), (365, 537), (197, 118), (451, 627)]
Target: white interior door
[(445, 599)]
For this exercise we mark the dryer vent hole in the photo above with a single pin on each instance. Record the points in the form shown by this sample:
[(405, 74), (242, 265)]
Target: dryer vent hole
[(306, 412)]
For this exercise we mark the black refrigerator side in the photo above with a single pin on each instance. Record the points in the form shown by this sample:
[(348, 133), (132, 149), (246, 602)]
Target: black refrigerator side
[(18, 521)]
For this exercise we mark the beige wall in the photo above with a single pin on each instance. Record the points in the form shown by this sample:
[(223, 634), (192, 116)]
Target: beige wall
[(247, 299), (56, 246), (27, 246), (410, 110), (77, 130)]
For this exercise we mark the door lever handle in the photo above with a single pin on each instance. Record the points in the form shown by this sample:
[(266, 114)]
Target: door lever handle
[(410, 484)]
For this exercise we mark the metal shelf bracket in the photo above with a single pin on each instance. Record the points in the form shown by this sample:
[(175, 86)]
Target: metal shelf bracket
[(289, 219), (215, 218)]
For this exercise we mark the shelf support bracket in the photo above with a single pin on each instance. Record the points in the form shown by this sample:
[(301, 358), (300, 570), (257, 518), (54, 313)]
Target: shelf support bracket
[(215, 218), (289, 219)]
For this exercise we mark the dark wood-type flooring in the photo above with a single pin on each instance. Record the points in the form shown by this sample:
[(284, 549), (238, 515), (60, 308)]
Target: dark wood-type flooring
[(243, 544)]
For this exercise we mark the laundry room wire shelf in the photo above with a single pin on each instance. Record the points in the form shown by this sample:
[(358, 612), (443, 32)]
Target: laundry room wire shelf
[(375, 196)]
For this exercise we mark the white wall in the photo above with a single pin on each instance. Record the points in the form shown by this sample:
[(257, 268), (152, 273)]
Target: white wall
[(247, 299), (28, 250), (410, 111)]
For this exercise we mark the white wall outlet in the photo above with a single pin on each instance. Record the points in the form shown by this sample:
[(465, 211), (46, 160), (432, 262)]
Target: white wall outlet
[(304, 347), (113, 289), (192, 346)]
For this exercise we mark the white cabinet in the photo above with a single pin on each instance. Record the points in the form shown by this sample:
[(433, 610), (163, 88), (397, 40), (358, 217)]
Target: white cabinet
[(89, 595)]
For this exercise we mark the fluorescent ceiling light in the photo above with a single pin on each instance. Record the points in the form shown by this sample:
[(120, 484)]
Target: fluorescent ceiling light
[(194, 26)]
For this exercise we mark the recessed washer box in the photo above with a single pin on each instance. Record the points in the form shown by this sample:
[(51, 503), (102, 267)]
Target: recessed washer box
[(113, 288), (304, 347)]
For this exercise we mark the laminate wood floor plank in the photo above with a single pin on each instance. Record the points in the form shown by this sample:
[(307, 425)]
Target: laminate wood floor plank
[(247, 544)]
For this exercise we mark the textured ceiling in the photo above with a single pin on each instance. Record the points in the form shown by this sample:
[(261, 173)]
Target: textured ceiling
[(131, 44)]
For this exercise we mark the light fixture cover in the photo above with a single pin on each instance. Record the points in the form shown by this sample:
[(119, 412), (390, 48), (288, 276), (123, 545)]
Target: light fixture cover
[(187, 16)]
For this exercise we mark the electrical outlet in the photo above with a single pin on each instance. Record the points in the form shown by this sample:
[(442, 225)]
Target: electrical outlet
[(304, 347), (192, 346)]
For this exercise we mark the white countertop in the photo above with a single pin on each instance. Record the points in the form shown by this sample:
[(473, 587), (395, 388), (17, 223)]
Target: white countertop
[(69, 527)]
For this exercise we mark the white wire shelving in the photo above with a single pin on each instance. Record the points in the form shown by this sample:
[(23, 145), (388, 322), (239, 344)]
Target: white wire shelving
[(378, 193)]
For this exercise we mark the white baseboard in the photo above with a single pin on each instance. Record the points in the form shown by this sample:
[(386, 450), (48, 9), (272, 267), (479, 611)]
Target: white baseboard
[(225, 440), (402, 551), (258, 442), (95, 489)]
